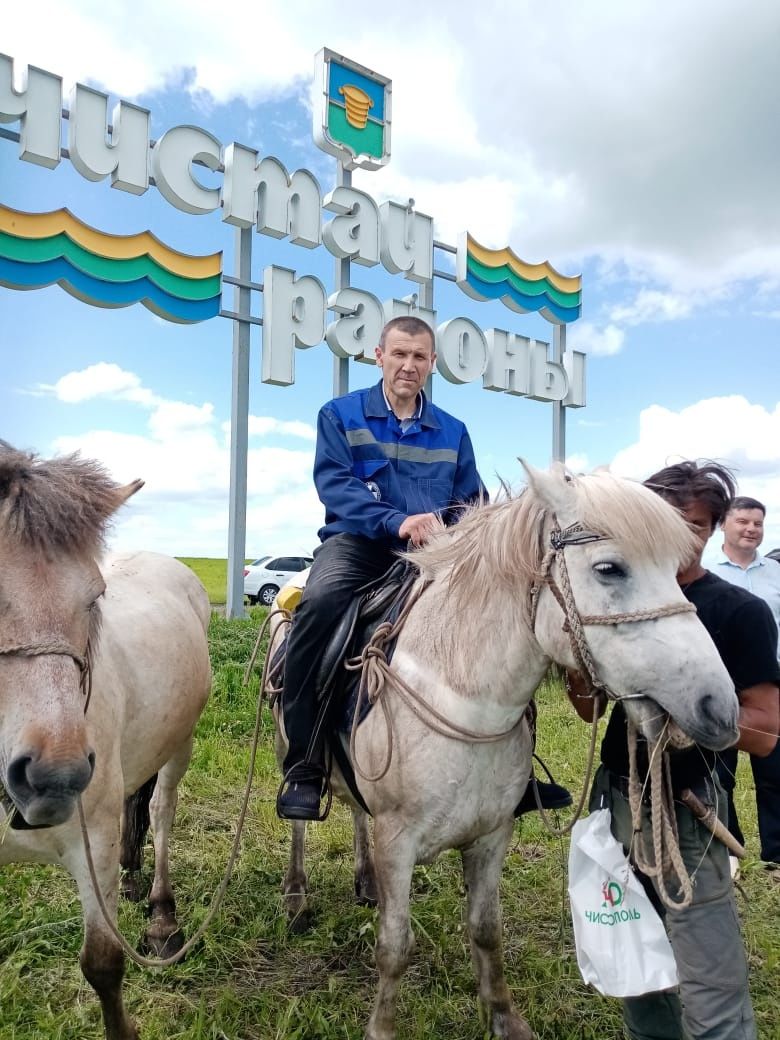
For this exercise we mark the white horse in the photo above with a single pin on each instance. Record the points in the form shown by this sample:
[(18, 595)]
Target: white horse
[(474, 647), (104, 671)]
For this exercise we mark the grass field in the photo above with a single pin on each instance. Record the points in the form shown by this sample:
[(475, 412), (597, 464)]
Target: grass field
[(213, 574), (250, 979)]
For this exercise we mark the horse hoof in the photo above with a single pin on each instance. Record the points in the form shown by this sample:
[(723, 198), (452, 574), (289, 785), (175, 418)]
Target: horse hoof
[(299, 922), (162, 945), (510, 1026)]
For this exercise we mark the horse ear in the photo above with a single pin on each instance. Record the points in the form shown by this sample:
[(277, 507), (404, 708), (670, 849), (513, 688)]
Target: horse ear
[(127, 491), (552, 487)]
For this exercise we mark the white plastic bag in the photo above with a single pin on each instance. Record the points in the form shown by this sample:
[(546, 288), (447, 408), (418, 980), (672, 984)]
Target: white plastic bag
[(622, 947)]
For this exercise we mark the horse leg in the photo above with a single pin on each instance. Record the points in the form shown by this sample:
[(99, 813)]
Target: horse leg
[(135, 825), (295, 886), (482, 863), (101, 957), (365, 874), (395, 941), (163, 936)]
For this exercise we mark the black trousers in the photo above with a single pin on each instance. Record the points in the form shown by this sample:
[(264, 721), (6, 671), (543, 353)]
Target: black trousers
[(342, 564), (766, 776)]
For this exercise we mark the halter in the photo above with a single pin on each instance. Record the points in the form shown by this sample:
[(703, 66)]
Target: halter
[(54, 647), (573, 622)]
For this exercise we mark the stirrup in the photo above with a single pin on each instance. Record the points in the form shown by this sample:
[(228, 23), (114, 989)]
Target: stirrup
[(310, 774)]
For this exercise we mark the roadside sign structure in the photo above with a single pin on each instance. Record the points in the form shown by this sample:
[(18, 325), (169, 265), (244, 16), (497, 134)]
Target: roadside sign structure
[(258, 195)]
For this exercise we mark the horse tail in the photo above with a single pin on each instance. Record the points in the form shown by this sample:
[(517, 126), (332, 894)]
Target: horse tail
[(135, 824)]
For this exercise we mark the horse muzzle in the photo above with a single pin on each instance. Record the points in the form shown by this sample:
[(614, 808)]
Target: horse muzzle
[(712, 726), (44, 792)]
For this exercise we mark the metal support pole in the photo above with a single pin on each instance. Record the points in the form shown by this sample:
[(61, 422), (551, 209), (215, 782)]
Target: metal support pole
[(558, 410), (239, 427), (341, 276), (426, 300)]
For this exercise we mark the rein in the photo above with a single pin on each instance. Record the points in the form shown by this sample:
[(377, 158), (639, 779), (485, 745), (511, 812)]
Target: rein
[(377, 673), (84, 663)]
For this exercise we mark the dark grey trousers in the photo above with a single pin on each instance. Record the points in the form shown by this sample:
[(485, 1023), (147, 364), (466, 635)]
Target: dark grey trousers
[(713, 1002), (342, 564)]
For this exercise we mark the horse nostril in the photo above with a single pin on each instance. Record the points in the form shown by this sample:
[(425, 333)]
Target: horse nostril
[(31, 776), (17, 774)]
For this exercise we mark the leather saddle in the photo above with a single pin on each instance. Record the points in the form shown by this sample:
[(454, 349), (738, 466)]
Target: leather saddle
[(379, 601)]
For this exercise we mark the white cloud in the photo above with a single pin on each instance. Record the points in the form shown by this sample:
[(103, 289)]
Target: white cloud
[(592, 339), (652, 305), (727, 429), (569, 131), (184, 458), (263, 425), (102, 379), (730, 430), (172, 417), (577, 463)]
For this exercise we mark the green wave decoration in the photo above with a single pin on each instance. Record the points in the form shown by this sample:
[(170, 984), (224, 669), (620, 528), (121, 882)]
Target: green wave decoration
[(40, 250), (541, 287)]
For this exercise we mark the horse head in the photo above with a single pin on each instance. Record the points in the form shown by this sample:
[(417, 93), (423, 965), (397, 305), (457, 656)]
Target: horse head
[(606, 601), (53, 516)]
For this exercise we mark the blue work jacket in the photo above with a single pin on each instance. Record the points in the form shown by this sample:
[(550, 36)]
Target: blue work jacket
[(370, 474)]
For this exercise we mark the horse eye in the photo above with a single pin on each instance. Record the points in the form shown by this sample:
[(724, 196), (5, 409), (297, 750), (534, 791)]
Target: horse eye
[(609, 569)]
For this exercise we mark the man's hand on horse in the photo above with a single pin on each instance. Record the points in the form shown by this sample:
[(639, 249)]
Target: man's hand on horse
[(419, 527)]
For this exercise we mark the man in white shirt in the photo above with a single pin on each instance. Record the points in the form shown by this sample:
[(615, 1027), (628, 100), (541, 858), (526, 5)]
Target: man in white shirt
[(742, 564)]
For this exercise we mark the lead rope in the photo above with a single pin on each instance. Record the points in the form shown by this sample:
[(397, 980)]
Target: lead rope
[(666, 862), (574, 624), (164, 962)]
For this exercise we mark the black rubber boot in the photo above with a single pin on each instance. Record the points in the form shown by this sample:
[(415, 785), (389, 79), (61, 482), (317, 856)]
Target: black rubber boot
[(551, 795)]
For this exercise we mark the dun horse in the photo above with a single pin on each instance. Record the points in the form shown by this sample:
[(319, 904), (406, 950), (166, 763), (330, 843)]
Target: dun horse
[(104, 671), (506, 586)]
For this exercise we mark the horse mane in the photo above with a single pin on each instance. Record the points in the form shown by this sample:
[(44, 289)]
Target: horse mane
[(61, 504), (502, 544)]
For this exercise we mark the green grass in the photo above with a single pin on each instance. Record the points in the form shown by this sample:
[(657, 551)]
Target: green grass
[(213, 574), (250, 979)]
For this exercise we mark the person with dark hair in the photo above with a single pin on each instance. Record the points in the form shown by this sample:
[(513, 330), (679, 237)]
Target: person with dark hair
[(742, 564), (713, 1002), (390, 468)]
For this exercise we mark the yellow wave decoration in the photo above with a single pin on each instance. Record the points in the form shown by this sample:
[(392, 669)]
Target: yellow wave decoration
[(115, 247), (532, 272)]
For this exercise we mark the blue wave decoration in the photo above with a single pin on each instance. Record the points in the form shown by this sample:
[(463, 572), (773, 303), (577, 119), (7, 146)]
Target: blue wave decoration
[(18, 275), (505, 292)]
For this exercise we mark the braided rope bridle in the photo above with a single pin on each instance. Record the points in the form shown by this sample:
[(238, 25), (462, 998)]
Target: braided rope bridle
[(51, 648), (667, 859), (574, 622), (58, 648)]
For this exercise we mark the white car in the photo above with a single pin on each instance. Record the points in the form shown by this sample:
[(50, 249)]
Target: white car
[(264, 577)]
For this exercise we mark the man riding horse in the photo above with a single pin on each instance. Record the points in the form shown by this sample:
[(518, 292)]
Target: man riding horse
[(390, 468)]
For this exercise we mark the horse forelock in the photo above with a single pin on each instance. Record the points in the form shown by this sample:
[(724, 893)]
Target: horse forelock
[(637, 519), (60, 504)]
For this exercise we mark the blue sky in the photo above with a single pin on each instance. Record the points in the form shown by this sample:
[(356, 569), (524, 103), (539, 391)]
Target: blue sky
[(635, 145)]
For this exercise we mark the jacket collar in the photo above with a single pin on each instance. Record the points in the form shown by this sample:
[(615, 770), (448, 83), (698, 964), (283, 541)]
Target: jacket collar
[(376, 407)]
